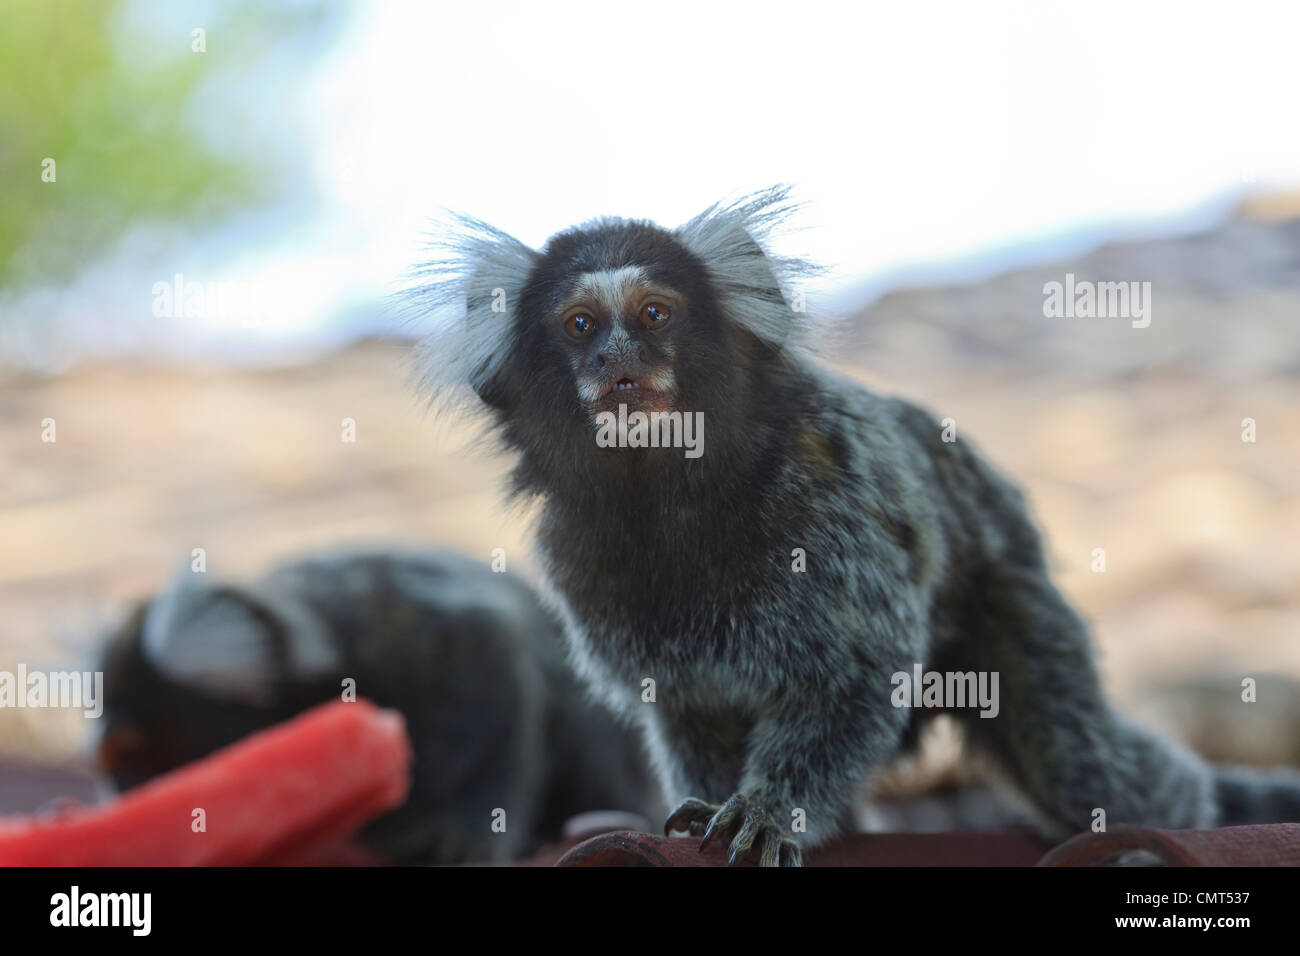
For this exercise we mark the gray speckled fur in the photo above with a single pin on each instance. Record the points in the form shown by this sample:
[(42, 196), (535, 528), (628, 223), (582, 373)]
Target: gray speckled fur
[(772, 683)]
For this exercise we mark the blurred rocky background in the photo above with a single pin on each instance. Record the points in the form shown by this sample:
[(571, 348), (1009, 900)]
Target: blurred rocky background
[(1125, 439), (291, 151)]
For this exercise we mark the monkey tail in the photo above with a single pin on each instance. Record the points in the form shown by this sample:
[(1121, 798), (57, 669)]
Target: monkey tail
[(1246, 795)]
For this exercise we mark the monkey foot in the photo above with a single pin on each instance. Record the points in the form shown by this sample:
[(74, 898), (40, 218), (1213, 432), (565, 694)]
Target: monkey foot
[(752, 830), (691, 817)]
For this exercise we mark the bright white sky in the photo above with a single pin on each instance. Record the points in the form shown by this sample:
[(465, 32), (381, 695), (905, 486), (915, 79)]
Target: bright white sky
[(916, 132)]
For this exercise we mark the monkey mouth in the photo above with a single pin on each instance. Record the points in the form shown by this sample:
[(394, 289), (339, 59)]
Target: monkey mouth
[(636, 394), (622, 385)]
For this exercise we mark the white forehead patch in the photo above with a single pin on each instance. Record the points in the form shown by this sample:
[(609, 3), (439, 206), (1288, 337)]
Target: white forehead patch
[(611, 287)]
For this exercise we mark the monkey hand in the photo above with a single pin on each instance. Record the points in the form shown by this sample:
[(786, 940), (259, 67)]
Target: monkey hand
[(750, 827), (691, 817)]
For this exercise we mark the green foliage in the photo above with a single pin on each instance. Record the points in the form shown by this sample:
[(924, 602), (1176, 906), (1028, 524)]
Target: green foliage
[(110, 99)]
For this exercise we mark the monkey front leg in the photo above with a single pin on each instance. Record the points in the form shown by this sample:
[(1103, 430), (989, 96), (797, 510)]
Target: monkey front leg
[(807, 756), (700, 753)]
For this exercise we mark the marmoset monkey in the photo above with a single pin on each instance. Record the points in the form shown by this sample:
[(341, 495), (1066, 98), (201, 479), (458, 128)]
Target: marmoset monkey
[(470, 657), (826, 540)]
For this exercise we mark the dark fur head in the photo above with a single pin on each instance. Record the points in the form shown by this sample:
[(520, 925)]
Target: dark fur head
[(198, 668), (691, 322)]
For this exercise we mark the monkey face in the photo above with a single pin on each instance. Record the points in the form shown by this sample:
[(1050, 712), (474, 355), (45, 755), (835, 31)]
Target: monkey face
[(617, 328), (621, 316), (626, 310)]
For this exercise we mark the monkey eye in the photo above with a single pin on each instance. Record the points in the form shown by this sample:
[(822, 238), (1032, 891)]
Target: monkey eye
[(580, 326), (655, 314)]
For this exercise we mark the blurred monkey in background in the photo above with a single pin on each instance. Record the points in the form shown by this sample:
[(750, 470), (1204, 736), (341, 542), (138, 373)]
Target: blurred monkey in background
[(469, 657)]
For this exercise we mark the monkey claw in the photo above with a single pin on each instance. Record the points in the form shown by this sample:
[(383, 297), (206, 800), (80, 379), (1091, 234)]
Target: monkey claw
[(755, 835)]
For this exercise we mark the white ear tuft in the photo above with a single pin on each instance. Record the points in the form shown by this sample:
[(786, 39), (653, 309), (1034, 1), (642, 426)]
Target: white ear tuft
[(223, 641), (752, 283), (469, 292)]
